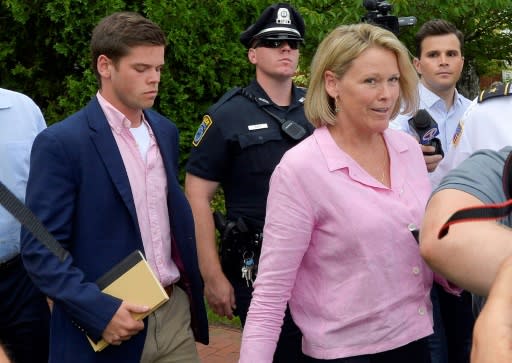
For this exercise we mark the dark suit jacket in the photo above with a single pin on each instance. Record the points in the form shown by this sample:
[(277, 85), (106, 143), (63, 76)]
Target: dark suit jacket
[(79, 188)]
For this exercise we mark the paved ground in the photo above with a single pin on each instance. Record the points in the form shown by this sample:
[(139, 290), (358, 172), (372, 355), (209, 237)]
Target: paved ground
[(224, 346)]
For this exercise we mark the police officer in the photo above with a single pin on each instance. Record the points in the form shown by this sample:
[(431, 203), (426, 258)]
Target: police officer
[(485, 125), (237, 146)]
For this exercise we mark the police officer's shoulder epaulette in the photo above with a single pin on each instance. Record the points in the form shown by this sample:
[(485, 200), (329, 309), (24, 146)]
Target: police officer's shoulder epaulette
[(225, 97), (496, 90), (301, 90), (300, 93)]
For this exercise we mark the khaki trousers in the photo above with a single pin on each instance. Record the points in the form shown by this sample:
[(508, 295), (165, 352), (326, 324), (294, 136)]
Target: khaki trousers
[(169, 336)]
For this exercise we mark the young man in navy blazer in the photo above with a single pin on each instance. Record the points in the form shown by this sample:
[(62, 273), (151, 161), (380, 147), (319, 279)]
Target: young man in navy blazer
[(105, 183)]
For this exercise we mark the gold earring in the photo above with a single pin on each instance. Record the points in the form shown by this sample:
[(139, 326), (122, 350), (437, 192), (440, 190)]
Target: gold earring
[(336, 106)]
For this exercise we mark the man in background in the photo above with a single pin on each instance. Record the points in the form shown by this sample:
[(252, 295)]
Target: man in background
[(439, 62), (24, 313)]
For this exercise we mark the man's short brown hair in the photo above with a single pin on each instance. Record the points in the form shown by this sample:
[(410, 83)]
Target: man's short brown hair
[(116, 34), (437, 27)]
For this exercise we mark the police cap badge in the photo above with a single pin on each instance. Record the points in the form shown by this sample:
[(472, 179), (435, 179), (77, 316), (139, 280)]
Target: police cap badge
[(277, 22)]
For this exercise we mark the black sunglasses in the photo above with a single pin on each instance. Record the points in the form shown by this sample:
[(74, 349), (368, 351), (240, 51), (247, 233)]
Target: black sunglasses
[(272, 43)]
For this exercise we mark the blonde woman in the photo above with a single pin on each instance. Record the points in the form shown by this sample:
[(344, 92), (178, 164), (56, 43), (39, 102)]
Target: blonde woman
[(336, 241)]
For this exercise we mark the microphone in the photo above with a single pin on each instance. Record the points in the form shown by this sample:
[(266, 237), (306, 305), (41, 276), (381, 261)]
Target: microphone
[(426, 129)]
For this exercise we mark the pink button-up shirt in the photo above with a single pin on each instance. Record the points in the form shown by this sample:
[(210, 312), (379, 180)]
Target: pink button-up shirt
[(148, 183), (337, 246)]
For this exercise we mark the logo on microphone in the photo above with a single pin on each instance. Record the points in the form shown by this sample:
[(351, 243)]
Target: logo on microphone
[(430, 134)]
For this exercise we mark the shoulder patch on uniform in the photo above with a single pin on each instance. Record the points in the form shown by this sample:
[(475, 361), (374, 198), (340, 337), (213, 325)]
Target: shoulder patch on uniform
[(201, 131), (497, 90)]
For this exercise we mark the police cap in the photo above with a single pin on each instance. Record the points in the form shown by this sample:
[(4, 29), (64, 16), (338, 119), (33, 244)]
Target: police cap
[(277, 22)]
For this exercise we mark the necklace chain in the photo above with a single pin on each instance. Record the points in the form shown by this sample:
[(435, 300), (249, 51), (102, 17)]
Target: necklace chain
[(384, 166)]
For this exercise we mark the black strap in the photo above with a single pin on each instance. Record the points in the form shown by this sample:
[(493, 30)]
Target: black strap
[(290, 128), (491, 211), (487, 212), (251, 97), (25, 216)]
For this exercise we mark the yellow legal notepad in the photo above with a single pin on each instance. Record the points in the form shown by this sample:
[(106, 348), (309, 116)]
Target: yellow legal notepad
[(132, 280)]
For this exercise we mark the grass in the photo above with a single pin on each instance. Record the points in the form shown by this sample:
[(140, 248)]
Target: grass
[(214, 319)]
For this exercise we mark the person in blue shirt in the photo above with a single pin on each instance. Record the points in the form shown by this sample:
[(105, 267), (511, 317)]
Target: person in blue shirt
[(439, 61), (24, 313)]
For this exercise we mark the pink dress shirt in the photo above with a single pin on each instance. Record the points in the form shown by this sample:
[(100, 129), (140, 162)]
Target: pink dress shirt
[(148, 183), (337, 246)]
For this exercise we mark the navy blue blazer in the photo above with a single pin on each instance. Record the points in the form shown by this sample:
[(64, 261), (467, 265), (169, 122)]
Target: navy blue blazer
[(79, 188)]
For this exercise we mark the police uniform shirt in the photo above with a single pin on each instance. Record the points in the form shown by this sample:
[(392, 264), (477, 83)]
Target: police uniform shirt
[(485, 125), (239, 145)]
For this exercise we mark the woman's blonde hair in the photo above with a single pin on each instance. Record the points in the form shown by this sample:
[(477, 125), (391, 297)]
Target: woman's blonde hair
[(336, 53)]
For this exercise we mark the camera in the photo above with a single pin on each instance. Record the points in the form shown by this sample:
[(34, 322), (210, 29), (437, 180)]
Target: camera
[(379, 13)]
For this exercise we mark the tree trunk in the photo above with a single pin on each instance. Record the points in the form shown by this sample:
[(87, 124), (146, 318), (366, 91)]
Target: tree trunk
[(469, 82)]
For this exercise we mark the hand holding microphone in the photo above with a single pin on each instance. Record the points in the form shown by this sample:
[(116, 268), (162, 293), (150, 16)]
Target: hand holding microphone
[(426, 129)]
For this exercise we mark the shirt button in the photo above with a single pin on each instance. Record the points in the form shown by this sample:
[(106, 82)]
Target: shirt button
[(421, 311), (415, 270)]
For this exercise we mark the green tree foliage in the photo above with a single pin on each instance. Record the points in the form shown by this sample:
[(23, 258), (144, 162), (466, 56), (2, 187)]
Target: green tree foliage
[(45, 53), (486, 25), (44, 46)]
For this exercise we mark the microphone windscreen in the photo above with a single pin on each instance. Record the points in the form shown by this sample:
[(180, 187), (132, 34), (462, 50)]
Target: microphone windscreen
[(423, 120)]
